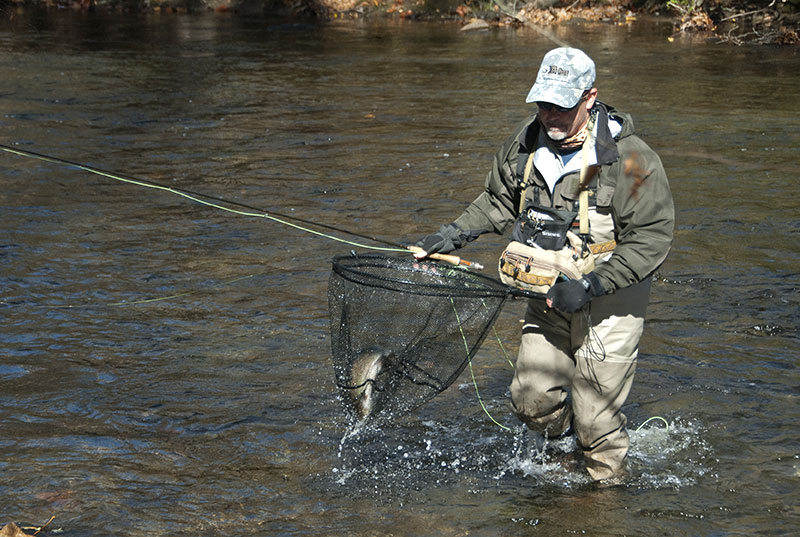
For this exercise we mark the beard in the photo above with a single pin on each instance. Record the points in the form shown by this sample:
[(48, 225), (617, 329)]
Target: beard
[(556, 134)]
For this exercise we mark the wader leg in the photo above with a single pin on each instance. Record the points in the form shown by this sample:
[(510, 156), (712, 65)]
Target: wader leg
[(545, 370), (606, 363)]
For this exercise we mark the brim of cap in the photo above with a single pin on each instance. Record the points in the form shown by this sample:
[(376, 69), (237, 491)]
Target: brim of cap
[(561, 96)]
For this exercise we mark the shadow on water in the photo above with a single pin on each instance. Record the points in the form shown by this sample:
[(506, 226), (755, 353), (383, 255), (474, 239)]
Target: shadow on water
[(465, 472)]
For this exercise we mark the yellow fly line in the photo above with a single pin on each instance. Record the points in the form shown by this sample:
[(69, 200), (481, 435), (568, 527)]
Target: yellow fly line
[(251, 212)]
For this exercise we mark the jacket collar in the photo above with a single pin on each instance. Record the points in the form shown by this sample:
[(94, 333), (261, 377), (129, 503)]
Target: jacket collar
[(605, 145)]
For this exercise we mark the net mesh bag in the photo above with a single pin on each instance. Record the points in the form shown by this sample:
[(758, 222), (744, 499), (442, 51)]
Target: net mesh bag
[(413, 324)]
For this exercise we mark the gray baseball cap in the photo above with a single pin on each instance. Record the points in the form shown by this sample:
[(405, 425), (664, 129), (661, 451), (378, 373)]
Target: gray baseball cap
[(564, 75)]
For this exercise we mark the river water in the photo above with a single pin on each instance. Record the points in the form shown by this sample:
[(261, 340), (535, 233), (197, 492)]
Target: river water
[(166, 366)]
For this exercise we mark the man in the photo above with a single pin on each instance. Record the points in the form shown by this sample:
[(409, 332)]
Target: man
[(583, 339)]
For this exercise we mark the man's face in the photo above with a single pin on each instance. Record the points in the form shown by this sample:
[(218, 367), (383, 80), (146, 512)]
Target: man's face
[(561, 124)]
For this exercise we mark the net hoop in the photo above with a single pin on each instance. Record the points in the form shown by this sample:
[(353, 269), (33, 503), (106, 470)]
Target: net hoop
[(440, 279)]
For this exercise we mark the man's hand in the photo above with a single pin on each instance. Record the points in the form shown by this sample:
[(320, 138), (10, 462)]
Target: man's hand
[(571, 295), (447, 239)]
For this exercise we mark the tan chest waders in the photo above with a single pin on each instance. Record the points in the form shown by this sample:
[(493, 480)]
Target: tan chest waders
[(550, 250)]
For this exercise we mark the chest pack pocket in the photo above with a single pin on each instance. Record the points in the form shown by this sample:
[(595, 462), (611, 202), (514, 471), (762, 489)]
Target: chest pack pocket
[(543, 227)]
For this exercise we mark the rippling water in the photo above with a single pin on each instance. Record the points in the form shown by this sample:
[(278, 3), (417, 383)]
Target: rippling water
[(165, 366)]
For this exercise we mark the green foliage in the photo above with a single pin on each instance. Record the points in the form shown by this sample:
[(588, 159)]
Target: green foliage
[(685, 7)]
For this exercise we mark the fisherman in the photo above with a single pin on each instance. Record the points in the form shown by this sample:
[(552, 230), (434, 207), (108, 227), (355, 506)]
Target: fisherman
[(583, 338)]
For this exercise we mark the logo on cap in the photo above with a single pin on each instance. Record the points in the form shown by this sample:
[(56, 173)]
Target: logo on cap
[(556, 70)]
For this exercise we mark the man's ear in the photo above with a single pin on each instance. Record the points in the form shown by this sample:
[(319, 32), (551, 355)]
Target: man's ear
[(591, 98)]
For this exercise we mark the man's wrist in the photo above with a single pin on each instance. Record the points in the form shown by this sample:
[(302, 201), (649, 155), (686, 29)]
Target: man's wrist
[(591, 283)]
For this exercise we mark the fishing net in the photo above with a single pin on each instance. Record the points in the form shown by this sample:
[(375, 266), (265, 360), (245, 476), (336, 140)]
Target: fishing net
[(402, 330)]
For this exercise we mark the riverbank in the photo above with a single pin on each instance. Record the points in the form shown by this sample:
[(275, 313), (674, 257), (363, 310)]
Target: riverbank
[(734, 22)]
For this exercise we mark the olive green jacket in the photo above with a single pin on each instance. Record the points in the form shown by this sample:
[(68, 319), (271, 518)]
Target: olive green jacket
[(635, 206)]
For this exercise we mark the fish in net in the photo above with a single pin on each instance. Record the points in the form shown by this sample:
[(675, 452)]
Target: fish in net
[(402, 329)]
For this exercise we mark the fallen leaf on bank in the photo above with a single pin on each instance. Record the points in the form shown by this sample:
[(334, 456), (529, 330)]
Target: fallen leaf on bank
[(12, 530), (397, 6)]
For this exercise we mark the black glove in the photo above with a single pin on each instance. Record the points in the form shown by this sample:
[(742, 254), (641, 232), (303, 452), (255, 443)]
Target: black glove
[(448, 238), (571, 295)]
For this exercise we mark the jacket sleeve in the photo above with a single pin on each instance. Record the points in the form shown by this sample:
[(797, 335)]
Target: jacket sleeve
[(495, 208), (644, 217)]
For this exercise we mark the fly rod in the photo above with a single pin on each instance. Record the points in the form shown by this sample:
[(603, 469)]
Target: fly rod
[(215, 202)]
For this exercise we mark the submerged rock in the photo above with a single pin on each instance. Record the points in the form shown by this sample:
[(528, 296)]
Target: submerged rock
[(475, 24)]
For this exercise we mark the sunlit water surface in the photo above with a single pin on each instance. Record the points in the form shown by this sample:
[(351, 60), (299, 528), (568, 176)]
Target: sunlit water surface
[(166, 368)]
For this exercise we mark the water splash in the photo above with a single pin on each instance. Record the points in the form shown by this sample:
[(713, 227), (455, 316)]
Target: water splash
[(555, 463), (417, 456), (669, 458)]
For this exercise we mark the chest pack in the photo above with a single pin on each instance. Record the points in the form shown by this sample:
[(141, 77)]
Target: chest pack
[(544, 246), (543, 227)]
